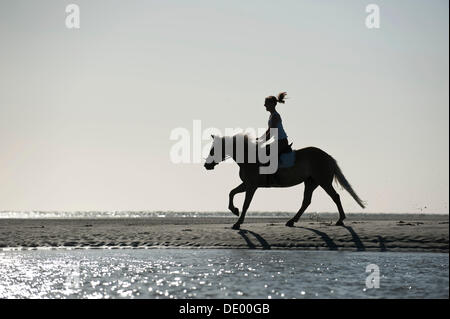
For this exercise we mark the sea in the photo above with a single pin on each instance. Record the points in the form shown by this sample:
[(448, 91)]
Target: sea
[(218, 273), (221, 273)]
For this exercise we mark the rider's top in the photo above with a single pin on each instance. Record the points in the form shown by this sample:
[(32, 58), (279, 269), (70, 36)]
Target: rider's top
[(281, 132)]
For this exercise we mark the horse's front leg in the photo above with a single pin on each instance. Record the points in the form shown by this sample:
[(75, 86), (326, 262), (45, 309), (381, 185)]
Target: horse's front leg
[(248, 198), (240, 189)]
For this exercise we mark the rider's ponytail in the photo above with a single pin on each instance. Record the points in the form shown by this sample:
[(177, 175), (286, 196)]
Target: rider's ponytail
[(281, 97), (273, 100)]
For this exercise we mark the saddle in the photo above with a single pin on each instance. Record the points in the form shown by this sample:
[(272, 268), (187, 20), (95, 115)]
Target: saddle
[(288, 149), (286, 159)]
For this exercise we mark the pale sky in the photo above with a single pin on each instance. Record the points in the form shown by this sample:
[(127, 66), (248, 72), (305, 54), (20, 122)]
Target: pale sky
[(86, 115)]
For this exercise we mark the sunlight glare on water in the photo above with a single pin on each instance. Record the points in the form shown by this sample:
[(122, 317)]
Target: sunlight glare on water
[(224, 273)]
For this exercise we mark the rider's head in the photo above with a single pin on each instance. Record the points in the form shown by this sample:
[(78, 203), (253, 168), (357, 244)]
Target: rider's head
[(271, 101)]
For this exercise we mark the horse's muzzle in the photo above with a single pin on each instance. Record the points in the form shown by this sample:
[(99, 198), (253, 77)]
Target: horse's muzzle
[(210, 166)]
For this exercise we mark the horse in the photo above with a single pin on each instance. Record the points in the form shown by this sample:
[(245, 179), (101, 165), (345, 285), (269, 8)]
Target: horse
[(312, 166)]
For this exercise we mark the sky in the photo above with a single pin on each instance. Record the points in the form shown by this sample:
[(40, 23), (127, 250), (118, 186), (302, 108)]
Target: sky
[(86, 114)]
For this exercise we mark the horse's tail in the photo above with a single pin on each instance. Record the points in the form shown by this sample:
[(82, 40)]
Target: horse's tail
[(344, 183)]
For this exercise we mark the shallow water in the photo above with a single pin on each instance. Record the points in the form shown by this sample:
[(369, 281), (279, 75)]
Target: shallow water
[(221, 273)]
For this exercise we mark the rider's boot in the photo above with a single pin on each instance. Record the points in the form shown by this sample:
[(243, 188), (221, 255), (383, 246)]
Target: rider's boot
[(272, 179)]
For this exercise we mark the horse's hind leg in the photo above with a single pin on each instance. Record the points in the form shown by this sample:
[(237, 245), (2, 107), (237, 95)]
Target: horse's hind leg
[(336, 198), (310, 186)]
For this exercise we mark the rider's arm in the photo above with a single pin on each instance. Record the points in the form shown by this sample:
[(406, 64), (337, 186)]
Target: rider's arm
[(263, 137), (273, 124)]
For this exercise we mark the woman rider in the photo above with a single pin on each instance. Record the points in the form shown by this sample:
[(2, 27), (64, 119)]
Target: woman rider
[(280, 137), (276, 122)]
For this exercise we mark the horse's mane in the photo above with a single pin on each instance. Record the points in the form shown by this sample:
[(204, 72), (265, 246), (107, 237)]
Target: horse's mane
[(247, 138), (249, 142)]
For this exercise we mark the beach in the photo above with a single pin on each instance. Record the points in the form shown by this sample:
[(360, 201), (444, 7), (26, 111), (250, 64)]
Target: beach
[(390, 232)]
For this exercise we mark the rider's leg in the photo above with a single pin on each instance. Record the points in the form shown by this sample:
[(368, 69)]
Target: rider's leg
[(283, 146)]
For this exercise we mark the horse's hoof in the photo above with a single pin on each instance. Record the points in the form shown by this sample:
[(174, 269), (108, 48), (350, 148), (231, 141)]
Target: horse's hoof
[(339, 223), (236, 226), (290, 223)]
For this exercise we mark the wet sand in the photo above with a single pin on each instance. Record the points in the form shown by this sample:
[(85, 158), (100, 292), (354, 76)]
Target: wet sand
[(421, 234)]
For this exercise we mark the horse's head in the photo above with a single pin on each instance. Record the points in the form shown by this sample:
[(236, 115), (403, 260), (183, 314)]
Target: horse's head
[(216, 154)]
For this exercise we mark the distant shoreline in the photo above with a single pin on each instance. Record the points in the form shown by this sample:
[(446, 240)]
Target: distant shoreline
[(212, 214), (399, 232)]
